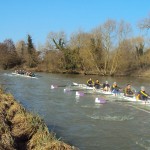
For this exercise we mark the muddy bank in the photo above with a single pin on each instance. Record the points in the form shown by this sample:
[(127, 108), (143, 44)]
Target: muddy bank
[(21, 130)]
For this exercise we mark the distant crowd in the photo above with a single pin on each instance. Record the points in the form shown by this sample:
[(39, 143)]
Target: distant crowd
[(24, 72), (128, 91)]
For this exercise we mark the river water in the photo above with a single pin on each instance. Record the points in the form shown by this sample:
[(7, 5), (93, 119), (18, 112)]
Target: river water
[(79, 121)]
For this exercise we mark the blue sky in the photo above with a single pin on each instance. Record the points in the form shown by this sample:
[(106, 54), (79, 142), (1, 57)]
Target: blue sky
[(39, 17)]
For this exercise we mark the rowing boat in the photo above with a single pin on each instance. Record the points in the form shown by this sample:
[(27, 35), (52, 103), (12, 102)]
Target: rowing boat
[(76, 86), (23, 75), (133, 99), (92, 89), (101, 92)]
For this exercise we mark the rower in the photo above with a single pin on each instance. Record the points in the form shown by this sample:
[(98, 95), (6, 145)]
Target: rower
[(97, 84), (106, 86), (128, 91), (142, 95), (115, 89), (90, 83)]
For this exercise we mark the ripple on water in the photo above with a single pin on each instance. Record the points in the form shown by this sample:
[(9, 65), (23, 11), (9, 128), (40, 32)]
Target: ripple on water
[(112, 118), (144, 142), (8, 74), (92, 106)]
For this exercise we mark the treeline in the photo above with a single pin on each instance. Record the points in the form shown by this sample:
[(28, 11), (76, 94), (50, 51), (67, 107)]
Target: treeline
[(109, 49), (23, 54)]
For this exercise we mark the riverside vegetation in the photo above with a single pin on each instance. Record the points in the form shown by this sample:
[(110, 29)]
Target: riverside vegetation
[(109, 49), (21, 130)]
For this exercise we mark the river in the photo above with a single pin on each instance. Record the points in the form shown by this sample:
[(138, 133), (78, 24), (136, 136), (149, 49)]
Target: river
[(79, 121)]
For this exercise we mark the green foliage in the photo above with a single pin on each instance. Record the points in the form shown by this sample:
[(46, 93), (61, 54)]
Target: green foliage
[(32, 59), (30, 45), (72, 59)]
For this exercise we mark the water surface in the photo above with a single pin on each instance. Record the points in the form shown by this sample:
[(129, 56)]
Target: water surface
[(79, 121)]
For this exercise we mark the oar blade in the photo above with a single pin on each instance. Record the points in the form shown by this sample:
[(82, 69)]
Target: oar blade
[(54, 86), (100, 100), (79, 93)]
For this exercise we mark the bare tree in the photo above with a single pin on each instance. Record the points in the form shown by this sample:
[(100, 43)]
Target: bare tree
[(85, 43), (108, 35), (21, 49), (124, 30), (144, 23), (55, 38)]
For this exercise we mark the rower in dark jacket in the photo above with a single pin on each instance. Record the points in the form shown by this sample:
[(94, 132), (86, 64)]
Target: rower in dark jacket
[(106, 86), (142, 95), (90, 83), (97, 84)]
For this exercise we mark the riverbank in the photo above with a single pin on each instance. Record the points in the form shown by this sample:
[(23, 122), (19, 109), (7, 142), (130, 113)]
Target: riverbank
[(21, 130), (133, 73)]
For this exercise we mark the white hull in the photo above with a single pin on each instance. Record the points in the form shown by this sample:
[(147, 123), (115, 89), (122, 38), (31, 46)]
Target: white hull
[(120, 96), (82, 86), (26, 76)]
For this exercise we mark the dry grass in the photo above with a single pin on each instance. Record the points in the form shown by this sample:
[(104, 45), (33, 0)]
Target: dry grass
[(6, 100), (14, 109), (6, 140), (22, 127), (39, 140), (58, 145), (47, 141), (1, 90), (6, 97)]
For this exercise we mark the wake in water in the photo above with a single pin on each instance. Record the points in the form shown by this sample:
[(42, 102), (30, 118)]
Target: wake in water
[(144, 142), (112, 118), (8, 74), (89, 106), (20, 75)]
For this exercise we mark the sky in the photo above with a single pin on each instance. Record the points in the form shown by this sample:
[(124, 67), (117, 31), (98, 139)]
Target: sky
[(18, 18)]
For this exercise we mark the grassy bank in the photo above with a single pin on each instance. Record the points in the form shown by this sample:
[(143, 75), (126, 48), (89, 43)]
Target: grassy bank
[(21, 130)]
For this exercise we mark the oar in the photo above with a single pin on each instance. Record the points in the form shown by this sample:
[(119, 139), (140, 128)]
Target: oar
[(6, 84), (125, 101), (92, 93), (69, 90), (53, 86), (56, 86)]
